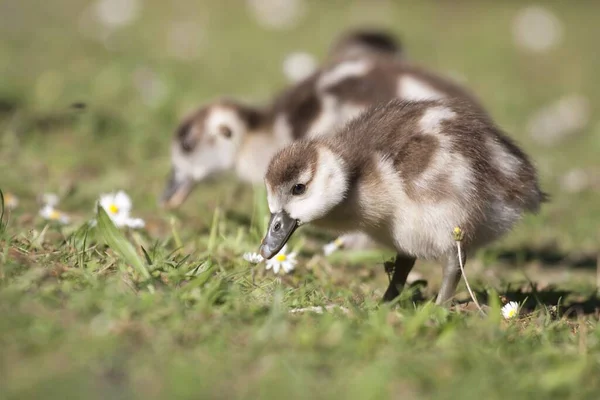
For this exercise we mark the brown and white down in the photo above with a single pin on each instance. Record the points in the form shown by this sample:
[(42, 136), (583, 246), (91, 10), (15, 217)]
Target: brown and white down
[(405, 173), (227, 135), (365, 42)]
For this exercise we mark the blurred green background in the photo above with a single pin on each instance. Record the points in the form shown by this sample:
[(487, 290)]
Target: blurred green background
[(90, 94), (140, 65)]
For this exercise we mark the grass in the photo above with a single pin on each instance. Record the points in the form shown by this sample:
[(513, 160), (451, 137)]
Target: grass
[(172, 311)]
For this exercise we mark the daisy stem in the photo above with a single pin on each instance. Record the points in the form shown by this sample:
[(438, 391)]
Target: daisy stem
[(462, 270)]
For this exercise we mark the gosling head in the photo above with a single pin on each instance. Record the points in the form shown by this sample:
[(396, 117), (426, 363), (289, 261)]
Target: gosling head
[(304, 182), (206, 143)]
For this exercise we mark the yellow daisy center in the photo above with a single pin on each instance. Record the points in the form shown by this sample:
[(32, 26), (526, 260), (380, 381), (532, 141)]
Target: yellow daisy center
[(281, 257), (54, 214), (511, 313), (339, 242), (113, 209)]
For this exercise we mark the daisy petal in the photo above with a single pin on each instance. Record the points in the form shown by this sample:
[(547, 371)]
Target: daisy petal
[(135, 223), (105, 201), (123, 201), (120, 220), (253, 258), (287, 267), (276, 267)]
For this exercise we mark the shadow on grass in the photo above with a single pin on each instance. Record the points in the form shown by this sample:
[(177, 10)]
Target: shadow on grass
[(564, 303), (549, 256), (567, 303), (570, 303)]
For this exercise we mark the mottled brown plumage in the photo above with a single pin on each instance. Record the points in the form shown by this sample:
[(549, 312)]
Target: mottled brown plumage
[(407, 173)]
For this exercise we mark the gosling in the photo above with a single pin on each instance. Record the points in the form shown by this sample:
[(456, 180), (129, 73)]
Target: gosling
[(406, 174)]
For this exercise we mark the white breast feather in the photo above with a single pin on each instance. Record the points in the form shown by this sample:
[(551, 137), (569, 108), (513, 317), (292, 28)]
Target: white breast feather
[(417, 227)]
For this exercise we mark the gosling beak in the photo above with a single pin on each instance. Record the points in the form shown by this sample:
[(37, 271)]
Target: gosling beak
[(281, 227), (176, 191)]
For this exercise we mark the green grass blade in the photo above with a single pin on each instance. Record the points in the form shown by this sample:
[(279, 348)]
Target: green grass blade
[(175, 233), (146, 256), (1, 211), (212, 239), (117, 241)]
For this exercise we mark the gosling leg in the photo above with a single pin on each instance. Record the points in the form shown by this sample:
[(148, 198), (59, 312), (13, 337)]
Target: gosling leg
[(402, 267), (450, 278)]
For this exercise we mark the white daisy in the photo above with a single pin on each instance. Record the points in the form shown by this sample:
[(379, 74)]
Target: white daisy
[(10, 201), (118, 206), (510, 310), (51, 214), (333, 246), (284, 261), (253, 258)]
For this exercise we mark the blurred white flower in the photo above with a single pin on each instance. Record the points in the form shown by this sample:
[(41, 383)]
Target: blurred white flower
[(10, 201), (299, 65), (282, 260), (135, 223), (49, 213), (510, 310), (253, 258), (118, 207), (577, 180), (184, 40), (277, 14), (117, 13), (90, 27), (537, 29), (334, 246), (151, 88), (50, 199), (563, 118)]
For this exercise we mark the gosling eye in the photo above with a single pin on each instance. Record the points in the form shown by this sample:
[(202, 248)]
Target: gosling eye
[(298, 189), (187, 145), (225, 131)]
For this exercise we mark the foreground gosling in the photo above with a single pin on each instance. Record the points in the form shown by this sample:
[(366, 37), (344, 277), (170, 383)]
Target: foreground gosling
[(407, 174)]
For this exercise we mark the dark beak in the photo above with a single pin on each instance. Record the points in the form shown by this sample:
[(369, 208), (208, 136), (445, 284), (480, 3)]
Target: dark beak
[(176, 191), (281, 227)]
